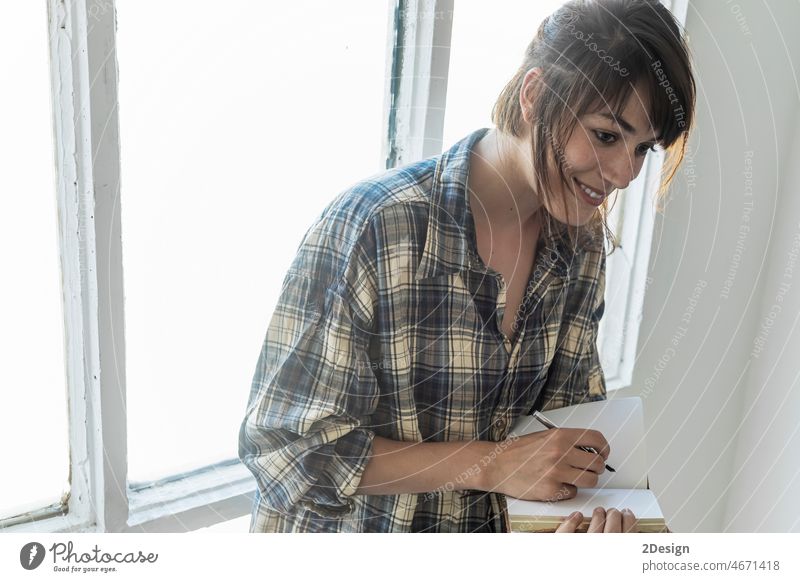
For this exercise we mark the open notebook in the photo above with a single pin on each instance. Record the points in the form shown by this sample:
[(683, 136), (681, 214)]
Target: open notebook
[(621, 422)]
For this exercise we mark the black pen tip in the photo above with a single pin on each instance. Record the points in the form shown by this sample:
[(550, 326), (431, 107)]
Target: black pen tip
[(612, 469)]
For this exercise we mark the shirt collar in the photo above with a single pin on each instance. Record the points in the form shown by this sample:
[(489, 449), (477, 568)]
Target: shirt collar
[(451, 237)]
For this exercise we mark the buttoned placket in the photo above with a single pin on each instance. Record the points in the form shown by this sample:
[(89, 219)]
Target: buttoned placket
[(501, 421), (542, 276), (500, 417)]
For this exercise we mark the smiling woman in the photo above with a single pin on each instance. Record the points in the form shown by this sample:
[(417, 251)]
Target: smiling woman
[(604, 153), (564, 97), (430, 306)]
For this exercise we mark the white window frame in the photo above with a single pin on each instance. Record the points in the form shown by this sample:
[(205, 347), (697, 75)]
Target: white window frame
[(418, 94), (82, 37)]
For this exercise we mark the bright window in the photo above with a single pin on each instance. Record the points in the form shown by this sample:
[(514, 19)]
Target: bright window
[(238, 125), (34, 435), (488, 43)]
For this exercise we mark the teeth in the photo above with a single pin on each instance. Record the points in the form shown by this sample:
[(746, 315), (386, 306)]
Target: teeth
[(590, 192)]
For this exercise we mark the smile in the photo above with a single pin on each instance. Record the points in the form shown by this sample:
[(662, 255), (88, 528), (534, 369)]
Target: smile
[(590, 195)]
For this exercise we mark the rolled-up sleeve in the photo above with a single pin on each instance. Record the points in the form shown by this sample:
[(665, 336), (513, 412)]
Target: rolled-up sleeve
[(303, 436)]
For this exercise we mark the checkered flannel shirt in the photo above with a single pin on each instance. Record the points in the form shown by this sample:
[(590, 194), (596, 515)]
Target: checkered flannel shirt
[(388, 323)]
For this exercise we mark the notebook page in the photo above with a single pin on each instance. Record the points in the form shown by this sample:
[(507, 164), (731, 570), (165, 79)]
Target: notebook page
[(642, 502), (622, 423)]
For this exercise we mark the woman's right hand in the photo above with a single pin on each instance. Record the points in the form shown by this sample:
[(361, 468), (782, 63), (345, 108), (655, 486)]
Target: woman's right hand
[(547, 466)]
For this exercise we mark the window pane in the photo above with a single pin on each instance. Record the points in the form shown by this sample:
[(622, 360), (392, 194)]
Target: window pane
[(488, 42), (34, 435), (238, 126)]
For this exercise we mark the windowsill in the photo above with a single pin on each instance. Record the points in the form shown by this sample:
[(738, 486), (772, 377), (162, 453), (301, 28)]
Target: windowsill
[(199, 499)]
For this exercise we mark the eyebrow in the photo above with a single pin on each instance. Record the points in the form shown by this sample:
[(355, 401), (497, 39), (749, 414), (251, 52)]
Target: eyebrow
[(619, 120)]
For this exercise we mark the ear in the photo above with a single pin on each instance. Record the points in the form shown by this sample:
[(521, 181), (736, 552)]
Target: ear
[(528, 92)]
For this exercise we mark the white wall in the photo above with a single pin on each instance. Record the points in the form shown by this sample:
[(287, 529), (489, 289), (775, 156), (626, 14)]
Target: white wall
[(719, 254), (766, 472)]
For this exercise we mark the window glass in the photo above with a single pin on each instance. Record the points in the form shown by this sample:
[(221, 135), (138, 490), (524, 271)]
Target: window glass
[(239, 123), (33, 433), (488, 43)]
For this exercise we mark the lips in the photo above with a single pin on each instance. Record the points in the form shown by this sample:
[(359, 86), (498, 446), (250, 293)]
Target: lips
[(590, 195)]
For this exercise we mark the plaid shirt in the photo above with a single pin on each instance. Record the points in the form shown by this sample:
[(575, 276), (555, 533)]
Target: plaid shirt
[(388, 323)]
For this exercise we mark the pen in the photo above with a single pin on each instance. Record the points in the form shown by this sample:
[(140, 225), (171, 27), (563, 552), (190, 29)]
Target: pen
[(540, 417)]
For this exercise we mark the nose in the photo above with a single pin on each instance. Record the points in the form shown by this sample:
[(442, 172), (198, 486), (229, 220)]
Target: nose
[(619, 170)]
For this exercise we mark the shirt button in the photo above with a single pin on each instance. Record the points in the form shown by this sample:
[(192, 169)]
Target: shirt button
[(500, 424)]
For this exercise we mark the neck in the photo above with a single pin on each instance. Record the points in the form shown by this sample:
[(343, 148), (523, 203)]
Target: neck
[(498, 185)]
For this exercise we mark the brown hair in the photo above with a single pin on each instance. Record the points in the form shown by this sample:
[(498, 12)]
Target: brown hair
[(592, 53)]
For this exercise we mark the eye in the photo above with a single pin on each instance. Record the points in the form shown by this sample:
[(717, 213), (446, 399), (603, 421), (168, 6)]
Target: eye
[(645, 148), (604, 137), (607, 138)]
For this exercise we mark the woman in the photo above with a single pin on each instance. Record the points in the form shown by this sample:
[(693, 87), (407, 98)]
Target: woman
[(430, 306)]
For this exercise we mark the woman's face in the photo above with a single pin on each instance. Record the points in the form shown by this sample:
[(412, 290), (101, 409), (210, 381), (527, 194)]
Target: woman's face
[(603, 154)]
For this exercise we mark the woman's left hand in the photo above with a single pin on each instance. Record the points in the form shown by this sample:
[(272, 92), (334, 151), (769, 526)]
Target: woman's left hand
[(611, 521)]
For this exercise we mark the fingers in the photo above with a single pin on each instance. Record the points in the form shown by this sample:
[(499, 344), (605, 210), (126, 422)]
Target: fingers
[(570, 524), (613, 521), (583, 460), (598, 522), (588, 438), (628, 521)]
